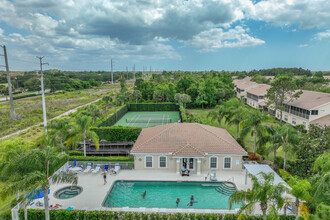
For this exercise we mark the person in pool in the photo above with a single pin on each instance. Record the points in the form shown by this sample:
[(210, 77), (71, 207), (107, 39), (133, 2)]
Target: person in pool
[(177, 202), (144, 194)]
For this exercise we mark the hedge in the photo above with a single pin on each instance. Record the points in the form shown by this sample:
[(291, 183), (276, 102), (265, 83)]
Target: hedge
[(115, 117), (183, 115), (154, 107), (75, 153), (99, 158), (117, 133), (37, 214)]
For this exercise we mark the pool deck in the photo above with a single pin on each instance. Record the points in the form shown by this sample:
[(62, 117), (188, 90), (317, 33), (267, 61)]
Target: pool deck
[(94, 190)]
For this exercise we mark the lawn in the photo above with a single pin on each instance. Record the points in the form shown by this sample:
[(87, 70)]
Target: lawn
[(29, 111), (232, 129)]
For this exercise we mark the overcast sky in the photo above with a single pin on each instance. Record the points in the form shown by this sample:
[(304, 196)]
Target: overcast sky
[(166, 34)]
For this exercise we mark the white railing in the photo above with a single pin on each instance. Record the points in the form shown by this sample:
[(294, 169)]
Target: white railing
[(123, 165), (14, 212)]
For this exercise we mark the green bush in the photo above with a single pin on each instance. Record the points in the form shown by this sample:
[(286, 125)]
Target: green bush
[(153, 107), (37, 214), (76, 153), (96, 158), (183, 115), (117, 133), (115, 117)]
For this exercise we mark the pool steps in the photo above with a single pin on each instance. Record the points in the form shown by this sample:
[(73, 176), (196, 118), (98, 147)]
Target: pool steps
[(226, 189)]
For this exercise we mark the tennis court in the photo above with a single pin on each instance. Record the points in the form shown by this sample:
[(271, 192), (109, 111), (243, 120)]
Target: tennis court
[(148, 119)]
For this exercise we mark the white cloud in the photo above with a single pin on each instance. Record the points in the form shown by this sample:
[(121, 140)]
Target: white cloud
[(322, 35), (216, 38), (304, 13), (302, 45)]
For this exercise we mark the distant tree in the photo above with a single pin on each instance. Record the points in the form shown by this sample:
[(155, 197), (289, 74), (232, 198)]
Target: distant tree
[(123, 84), (4, 91), (32, 84), (241, 76), (283, 90), (107, 99), (136, 95), (183, 98), (183, 84), (201, 99), (289, 140)]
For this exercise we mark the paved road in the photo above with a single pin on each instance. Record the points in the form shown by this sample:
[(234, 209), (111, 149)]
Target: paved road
[(61, 115)]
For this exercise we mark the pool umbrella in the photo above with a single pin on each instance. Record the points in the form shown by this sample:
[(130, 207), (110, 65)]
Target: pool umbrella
[(75, 162), (35, 195)]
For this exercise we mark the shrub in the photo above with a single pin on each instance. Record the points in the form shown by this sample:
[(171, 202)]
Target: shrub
[(115, 117), (76, 153), (36, 214), (183, 115), (117, 133), (153, 107), (96, 158), (254, 157)]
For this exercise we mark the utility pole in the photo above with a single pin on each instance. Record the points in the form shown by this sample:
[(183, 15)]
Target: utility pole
[(11, 99), (111, 72), (134, 72), (43, 93)]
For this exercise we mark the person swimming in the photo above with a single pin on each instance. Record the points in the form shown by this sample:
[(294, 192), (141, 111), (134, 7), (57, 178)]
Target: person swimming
[(144, 194), (177, 202)]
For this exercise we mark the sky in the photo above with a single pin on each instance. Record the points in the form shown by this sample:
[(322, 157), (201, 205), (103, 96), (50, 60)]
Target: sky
[(190, 35)]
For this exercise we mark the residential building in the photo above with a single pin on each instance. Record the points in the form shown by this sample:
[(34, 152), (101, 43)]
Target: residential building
[(199, 148), (308, 109), (256, 96), (241, 89)]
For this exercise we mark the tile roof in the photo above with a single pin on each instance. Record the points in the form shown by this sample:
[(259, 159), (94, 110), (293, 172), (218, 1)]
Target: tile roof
[(247, 84), (186, 139), (240, 81), (261, 89), (325, 120), (310, 99)]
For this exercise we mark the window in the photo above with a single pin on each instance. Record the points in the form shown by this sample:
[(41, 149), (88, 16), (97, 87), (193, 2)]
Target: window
[(227, 163), (162, 162), (285, 117), (149, 162), (293, 121), (213, 162), (315, 112)]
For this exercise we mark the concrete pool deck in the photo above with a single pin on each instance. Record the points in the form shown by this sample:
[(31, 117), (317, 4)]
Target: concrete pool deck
[(94, 190)]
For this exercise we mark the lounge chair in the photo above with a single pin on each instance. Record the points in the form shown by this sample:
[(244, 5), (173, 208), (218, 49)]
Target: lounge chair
[(106, 168), (213, 176), (70, 208), (88, 168), (117, 168), (185, 172), (97, 168)]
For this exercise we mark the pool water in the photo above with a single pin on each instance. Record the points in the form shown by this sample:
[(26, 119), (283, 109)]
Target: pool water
[(165, 194)]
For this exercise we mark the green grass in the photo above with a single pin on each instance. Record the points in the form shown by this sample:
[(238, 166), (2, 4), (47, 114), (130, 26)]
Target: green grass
[(232, 129), (29, 111)]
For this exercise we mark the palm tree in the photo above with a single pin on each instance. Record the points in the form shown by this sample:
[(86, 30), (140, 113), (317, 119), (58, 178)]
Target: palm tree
[(262, 192), (81, 131), (289, 140), (58, 130), (182, 98), (218, 113), (107, 99), (300, 189), (137, 95), (236, 109), (94, 111), (272, 136), (36, 168), (253, 123)]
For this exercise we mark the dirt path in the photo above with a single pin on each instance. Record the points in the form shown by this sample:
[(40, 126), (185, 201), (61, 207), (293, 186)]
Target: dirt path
[(61, 115)]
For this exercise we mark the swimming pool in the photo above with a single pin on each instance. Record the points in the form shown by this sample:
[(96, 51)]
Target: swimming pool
[(164, 194)]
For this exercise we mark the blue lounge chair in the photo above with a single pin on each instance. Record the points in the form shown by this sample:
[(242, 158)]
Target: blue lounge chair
[(106, 168)]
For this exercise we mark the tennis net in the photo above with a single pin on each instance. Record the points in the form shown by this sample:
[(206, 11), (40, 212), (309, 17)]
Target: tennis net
[(151, 120)]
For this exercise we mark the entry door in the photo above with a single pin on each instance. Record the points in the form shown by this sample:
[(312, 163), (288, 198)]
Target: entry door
[(189, 162)]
